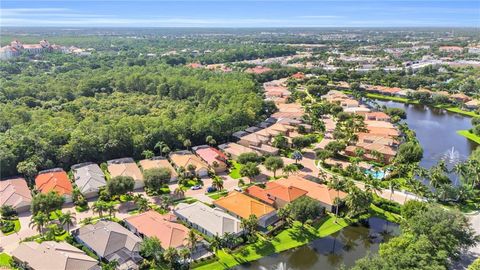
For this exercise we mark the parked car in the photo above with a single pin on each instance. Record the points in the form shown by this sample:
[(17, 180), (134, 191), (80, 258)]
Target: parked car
[(196, 187), (239, 189), (211, 189)]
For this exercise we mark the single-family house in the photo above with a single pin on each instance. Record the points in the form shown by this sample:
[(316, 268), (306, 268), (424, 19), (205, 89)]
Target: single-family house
[(258, 70), (233, 150), (186, 158), (319, 192), (472, 104), (461, 97), (159, 162), (207, 220), (242, 206), (126, 167), (275, 195), (51, 255), (253, 139), (54, 180), (15, 192), (377, 116), (154, 224), (111, 241), (89, 178), (213, 157)]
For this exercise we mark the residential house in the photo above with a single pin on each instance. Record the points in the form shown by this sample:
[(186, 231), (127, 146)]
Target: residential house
[(233, 150), (316, 191), (377, 116), (253, 139), (54, 180), (89, 178), (51, 255), (357, 110), (461, 97), (207, 220), (383, 131), (159, 162), (15, 192), (126, 167), (186, 158), (213, 157), (110, 241), (298, 76), (275, 195), (258, 70), (451, 49), (164, 227), (242, 206), (472, 104)]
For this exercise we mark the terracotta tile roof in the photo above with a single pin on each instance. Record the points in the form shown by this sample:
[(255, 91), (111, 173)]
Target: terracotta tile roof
[(152, 224), (54, 181), (288, 194), (125, 169), (15, 192), (259, 193), (377, 116), (316, 191), (243, 205), (383, 131), (298, 75)]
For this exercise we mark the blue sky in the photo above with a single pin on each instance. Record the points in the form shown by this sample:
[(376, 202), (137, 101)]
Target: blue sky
[(246, 13)]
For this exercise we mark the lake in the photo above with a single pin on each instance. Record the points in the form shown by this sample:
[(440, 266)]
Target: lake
[(436, 130), (328, 253)]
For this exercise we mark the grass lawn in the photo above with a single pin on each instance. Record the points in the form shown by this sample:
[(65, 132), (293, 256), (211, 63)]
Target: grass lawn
[(460, 111), (468, 135), (235, 170), (5, 259), (218, 195), (287, 239), (16, 227)]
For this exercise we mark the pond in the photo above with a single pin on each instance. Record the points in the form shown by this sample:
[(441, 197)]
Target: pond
[(328, 253), (436, 130)]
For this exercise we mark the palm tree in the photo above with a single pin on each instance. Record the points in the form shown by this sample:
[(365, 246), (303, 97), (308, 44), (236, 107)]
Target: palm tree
[(39, 221), (297, 156), (160, 145), (179, 191), (187, 143), (210, 140), (192, 241), (67, 219), (217, 183), (99, 207), (336, 184), (290, 168), (216, 243), (151, 247), (170, 255), (184, 254), (394, 184), (142, 204), (373, 186)]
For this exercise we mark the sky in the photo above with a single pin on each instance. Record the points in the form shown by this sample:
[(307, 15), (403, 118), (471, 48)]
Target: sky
[(246, 13)]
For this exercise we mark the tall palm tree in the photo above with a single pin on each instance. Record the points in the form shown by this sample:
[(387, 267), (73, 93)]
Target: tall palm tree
[(297, 156), (394, 184), (192, 241), (160, 145), (39, 221), (179, 191), (217, 183), (336, 184), (67, 219), (111, 209)]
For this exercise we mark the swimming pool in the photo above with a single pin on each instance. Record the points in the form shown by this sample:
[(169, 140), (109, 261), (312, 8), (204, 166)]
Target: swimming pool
[(375, 174)]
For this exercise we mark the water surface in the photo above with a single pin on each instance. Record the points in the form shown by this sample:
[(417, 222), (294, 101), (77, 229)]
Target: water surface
[(328, 253)]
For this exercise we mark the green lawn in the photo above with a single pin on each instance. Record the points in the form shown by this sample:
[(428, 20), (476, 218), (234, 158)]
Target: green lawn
[(287, 239), (235, 170), (460, 111), (218, 195), (5, 260), (470, 136)]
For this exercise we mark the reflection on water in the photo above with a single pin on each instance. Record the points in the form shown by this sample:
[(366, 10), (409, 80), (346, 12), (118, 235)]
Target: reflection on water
[(436, 129), (328, 253)]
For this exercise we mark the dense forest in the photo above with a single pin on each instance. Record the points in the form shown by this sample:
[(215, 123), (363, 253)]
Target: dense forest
[(61, 109)]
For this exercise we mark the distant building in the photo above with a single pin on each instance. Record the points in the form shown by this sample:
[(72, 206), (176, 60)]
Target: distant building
[(451, 49), (16, 48), (258, 70)]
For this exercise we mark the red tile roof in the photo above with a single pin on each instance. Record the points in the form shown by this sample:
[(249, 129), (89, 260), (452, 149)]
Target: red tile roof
[(210, 155), (54, 181)]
